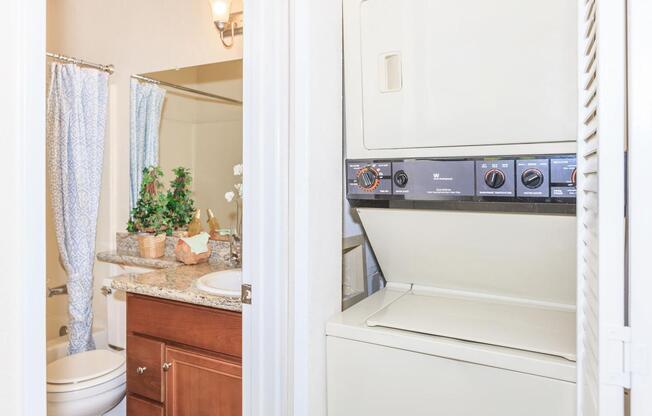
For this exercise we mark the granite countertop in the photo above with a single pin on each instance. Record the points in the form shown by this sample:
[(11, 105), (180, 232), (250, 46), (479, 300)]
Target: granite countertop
[(127, 253), (115, 257), (177, 283)]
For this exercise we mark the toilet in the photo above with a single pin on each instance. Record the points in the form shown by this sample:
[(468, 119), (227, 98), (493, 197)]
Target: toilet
[(92, 383)]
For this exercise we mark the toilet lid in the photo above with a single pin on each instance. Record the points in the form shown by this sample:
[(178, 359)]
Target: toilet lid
[(83, 366)]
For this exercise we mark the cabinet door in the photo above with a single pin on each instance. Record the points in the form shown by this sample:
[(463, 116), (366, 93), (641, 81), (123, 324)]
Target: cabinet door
[(199, 385), (144, 367), (141, 407)]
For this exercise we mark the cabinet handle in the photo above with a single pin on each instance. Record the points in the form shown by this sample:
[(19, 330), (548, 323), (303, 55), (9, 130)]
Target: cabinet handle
[(167, 366), (141, 370)]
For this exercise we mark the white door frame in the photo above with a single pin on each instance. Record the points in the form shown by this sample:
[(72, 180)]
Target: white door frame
[(265, 208), (293, 199), (639, 202), (22, 247), (292, 121)]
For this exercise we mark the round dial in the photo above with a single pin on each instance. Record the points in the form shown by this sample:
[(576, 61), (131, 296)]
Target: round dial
[(401, 178), (532, 178), (494, 178), (574, 177), (368, 178)]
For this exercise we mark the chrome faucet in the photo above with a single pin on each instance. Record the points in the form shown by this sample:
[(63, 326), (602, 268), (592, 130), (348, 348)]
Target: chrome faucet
[(235, 256), (58, 290)]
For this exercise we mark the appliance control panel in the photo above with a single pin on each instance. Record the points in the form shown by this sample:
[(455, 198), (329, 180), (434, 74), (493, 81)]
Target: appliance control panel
[(541, 178)]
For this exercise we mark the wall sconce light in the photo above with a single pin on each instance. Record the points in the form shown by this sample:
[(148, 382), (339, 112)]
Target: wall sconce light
[(222, 18)]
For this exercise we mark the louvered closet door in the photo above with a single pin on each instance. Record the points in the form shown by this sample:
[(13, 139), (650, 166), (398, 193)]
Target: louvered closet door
[(601, 196)]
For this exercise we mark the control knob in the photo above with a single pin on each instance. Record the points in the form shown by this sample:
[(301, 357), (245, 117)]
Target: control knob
[(401, 178), (532, 178), (494, 178), (368, 178), (574, 177)]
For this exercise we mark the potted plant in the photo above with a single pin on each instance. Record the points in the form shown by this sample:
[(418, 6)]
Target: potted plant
[(180, 204), (150, 215)]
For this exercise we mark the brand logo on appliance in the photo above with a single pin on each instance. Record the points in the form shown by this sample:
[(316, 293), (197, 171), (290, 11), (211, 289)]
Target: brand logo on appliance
[(437, 177)]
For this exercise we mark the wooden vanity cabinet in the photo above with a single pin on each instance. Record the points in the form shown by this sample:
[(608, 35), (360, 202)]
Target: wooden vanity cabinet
[(202, 385), (141, 407), (182, 359)]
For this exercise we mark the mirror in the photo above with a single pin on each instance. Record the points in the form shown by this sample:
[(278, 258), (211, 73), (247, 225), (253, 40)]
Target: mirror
[(201, 133)]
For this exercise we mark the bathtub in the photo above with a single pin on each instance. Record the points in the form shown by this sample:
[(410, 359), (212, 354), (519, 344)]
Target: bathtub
[(57, 347)]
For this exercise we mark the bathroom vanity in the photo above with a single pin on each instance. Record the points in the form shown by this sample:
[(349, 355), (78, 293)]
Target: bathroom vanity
[(182, 358), (184, 346)]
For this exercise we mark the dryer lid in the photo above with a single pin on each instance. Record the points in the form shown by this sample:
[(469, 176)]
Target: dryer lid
[(83, 366), (521, 256)]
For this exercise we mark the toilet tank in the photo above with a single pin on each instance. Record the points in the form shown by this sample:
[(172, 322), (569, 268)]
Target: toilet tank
[(116, 316)]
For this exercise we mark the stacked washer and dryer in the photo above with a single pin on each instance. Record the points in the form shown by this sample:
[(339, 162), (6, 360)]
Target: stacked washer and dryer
[(461, 124)]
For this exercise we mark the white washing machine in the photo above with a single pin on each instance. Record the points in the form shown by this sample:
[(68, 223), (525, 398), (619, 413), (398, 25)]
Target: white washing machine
[(460, 128), (477, 318)]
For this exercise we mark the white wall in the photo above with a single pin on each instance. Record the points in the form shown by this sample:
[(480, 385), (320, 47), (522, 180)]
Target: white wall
[(22, 156), (137, 37)]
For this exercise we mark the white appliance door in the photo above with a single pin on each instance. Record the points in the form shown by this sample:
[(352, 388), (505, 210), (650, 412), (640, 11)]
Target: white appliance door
[(376, 380), (441, 73), (600, 213), (523, 256)]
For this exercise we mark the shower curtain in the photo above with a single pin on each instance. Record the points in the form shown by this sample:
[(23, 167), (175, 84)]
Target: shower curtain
[(146, 106), (76, 119)]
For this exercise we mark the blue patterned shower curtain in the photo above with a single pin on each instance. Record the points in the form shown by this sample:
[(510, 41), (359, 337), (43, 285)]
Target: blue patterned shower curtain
[(146, 106), (76, 119)]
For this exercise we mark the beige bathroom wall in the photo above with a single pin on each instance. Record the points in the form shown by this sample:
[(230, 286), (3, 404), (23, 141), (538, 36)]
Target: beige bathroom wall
[(136, 37)]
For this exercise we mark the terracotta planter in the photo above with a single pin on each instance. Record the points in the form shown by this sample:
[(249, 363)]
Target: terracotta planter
[(151, 246), (186, 256)]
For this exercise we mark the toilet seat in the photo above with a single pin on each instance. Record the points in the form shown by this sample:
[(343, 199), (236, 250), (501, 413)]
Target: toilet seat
[(84, 370)]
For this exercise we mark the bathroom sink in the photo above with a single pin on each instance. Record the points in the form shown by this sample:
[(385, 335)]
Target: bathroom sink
[(223, 283)]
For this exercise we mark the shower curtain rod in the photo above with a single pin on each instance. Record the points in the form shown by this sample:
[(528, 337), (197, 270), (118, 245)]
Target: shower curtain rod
[(186, 89), (63, 58)]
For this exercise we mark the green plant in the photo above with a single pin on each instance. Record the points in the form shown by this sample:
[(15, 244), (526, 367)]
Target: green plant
[(180, 205), (150, 213)]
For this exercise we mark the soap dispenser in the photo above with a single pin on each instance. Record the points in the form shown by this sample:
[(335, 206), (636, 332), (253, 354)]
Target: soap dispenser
[(195, 226), (213, 225)]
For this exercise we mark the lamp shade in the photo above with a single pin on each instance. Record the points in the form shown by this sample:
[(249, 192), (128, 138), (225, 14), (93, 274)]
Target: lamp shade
[(221, 10)]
